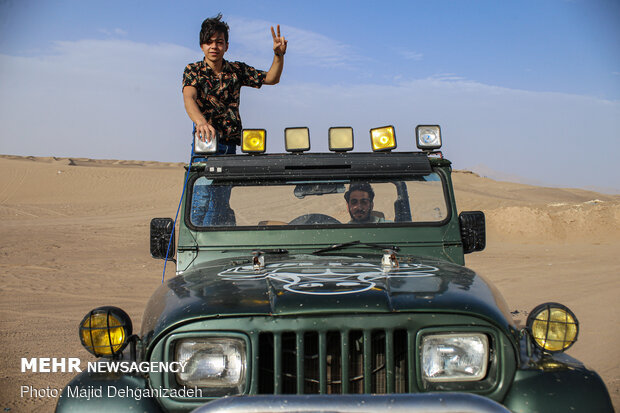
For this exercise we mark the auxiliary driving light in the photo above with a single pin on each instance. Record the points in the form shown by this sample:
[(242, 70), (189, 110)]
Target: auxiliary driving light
[(203, 147), (428, 137), (553, 327), (105, 331), (297, 139), (253, 141), (341, 139), (383, 139)]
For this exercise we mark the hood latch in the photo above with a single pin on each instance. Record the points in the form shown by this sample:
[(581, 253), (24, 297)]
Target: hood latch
[(389, 260), (258, 260)]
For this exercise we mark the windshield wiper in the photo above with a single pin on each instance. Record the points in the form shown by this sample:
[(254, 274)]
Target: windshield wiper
[(275, 251), (354, 243)]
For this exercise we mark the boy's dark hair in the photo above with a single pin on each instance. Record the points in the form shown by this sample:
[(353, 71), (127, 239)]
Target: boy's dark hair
[(211, 26), (360, 186)]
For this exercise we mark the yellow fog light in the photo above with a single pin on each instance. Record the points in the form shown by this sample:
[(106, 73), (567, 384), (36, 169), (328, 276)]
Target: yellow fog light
[(297, 139), (254, 141), (383, 139), (341, 139), (553, 327), (105, 331)]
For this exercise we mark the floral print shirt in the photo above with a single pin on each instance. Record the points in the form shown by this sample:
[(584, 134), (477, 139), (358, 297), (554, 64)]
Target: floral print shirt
[(218, 95)]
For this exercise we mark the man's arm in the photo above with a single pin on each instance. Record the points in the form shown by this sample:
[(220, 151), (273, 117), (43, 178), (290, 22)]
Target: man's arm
[(273, 75), (279, 49), (203, 128)]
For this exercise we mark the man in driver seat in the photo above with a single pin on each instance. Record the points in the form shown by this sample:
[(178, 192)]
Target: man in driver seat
[(359, 199)]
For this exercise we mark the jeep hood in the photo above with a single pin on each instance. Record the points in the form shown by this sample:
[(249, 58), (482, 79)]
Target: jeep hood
[(307, 284)]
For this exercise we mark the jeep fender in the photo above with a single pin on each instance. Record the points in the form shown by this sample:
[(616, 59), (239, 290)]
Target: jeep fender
[(568, 388)]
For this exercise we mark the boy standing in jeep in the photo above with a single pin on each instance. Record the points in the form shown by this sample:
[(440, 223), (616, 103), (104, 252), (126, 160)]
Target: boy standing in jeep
[(211, 87)]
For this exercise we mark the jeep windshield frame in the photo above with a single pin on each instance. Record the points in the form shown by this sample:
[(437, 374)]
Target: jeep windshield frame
[(315, 176)]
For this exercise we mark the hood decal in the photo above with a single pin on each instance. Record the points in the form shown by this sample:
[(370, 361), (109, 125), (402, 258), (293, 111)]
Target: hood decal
[(333, 278)]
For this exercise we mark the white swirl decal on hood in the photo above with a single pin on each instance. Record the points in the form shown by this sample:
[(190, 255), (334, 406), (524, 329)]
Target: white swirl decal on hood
[(326, 279)]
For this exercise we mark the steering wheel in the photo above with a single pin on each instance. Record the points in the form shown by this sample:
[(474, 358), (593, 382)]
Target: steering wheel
[(310, 219)]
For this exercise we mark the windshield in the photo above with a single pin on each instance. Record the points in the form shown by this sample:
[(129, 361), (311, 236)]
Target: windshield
[(417, 199)]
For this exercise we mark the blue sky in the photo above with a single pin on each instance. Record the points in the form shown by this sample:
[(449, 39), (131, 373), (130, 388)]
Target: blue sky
[(522, 88)]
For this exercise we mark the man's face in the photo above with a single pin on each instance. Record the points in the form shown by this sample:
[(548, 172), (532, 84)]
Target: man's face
[(360, 206), (215, 48)]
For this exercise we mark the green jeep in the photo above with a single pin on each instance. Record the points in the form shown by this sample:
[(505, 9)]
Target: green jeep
[(328, 282)]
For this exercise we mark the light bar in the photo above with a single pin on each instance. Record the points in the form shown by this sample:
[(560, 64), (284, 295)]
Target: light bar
[(383, 139), (202, 147), (341, 139), (253, 140), (297, 139), (428, 137)]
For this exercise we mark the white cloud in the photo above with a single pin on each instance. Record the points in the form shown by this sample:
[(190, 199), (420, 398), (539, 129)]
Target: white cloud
[(122, 99), (447, 77), (114, 32), (252, 40), (556, 138), (96, 98), (409, 54)]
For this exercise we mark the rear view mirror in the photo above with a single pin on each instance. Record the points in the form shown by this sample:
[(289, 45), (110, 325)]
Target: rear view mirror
[(473, 232), (303, 190), (162, 232)]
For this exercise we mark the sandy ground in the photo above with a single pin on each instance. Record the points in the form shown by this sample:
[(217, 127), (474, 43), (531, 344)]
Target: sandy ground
[(74, 236)]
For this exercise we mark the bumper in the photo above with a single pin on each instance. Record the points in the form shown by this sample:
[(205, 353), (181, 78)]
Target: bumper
[(349, 403), (568, 387)]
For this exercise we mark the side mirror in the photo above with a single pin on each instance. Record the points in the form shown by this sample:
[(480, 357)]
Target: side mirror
[(162, 234), (473, 233)]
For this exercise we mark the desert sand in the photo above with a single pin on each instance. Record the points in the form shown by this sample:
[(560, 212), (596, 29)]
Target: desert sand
[(74, 236)]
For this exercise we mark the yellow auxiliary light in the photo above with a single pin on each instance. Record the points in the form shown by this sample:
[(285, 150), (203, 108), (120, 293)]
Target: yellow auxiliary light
[(553, 327), (341, 139), (254, 141), (105, 331), (383, 139), (297, 139)]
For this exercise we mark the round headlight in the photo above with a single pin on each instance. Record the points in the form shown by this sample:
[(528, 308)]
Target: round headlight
[(105, 331), (553, 327)]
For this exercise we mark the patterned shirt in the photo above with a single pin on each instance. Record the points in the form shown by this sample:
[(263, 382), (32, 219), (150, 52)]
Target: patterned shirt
[(218, 95), (373, 219)]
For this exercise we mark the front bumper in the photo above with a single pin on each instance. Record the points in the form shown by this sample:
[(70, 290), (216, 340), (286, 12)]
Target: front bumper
[(349, 403)]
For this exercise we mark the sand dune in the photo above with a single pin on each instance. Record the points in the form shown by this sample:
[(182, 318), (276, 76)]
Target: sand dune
[(75, 236), (526, 213)]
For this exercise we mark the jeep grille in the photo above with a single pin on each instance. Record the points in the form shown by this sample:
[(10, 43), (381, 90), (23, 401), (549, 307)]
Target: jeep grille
[(334, 362)]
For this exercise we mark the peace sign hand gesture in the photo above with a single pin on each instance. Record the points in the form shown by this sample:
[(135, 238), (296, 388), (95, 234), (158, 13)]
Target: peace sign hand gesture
[(279, 42)]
